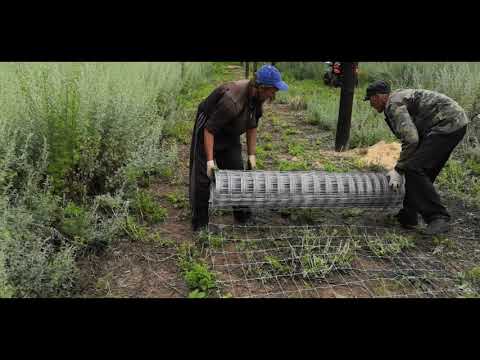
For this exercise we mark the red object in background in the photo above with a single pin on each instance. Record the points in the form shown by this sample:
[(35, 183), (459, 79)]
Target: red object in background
[(334, 75), (337, 68)]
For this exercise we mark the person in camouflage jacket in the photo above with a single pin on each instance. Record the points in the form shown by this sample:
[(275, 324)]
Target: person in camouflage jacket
[(429, 125)]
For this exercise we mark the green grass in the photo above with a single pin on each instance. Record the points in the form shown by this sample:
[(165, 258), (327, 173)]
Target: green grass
[(210, 239), (296, 149), (177, 199), (457, 80), (473, 276), (460, 179), (286, 165), (147, 208), (199, 279), (390, 244), (90, 134)]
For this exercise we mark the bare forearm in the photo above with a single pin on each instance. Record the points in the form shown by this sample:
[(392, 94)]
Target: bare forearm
[(252, 141), (209, 141)]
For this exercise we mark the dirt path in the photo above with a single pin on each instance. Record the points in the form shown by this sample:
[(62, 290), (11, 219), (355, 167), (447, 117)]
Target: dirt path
[(286, 140)]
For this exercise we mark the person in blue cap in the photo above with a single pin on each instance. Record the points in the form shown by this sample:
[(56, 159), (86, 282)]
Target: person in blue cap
[(231, 110)]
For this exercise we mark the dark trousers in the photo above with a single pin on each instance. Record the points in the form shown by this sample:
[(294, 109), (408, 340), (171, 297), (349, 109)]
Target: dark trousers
[(420, 173), (228, 155)]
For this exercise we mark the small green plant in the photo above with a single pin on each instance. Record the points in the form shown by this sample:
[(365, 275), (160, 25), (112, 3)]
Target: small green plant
[(276, 121), (158, 239), (268, 146), (296, 149), (474, 166), (297, 103), (470, 282), (443, 241), (320, 255), (276, 265), (473, 276), (196, 273), (391, 244), (291, 131), (285, 165), (180, 130), (208, 238), (197, 294), (323, 113), (198, 277), (330, 167), (267, 137), (177, 199), (145, 206), (108, 204), (134, 230), (77, 225)]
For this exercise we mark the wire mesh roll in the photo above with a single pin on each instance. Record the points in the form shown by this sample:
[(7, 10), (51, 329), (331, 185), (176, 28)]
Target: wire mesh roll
[(303, 189)]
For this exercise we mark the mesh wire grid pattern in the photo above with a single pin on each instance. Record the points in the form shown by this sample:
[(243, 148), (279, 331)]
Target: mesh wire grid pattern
[(303, 189), (325, 261)]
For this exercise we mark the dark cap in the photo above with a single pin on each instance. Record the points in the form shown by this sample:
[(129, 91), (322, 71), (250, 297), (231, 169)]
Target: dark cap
[(377, 87)]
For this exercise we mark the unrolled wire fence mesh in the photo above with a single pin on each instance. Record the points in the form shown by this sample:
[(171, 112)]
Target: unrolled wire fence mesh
[(326, 261)]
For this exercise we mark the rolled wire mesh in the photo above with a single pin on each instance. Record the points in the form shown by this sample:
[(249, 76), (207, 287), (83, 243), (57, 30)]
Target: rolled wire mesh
[(303, 189)]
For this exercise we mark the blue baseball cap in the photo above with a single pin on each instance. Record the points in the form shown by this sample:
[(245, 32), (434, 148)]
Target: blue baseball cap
[(268, 75)]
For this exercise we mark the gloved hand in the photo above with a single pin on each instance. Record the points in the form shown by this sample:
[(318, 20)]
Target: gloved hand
[(394, 179), (252, 162), (211, 167)]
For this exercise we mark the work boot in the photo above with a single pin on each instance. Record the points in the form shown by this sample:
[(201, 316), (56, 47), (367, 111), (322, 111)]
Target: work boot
[(406, 219), (437, 226)]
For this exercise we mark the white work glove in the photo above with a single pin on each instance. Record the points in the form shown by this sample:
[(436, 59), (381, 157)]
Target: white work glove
[(211, 168), (394, 179), (252, 162)]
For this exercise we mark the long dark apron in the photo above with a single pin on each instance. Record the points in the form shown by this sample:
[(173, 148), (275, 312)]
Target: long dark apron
[(228, 155)]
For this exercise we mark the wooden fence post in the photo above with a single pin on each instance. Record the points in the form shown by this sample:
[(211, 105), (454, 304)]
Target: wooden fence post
[(346, 105)]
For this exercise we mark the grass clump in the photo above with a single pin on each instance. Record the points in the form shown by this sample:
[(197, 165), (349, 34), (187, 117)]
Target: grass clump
[(147, 209), (391, 244), (198, 277)]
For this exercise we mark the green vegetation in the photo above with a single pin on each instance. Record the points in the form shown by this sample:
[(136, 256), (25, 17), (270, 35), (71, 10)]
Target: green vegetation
[(78, 140), (460, 178), (473, 276), (296, 149), (390, 244), (147, 209), (177, 199), (198, 277), (82, 142), (286, 165)]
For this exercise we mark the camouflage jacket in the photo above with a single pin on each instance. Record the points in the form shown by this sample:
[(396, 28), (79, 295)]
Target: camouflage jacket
[(414, 114)]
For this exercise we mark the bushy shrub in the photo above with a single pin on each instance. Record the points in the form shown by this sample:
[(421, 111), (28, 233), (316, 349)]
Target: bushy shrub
[(33, 263), (77, 140)]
